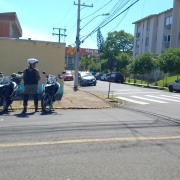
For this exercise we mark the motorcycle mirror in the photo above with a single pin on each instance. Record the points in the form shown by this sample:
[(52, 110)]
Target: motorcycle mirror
[(59, 76), (44, 72)]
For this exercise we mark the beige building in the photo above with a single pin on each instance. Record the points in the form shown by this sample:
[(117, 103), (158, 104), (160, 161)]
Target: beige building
[(15, 52), (158, 32)]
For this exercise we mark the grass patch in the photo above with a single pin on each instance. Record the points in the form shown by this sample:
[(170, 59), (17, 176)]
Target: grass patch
[(160, 83)]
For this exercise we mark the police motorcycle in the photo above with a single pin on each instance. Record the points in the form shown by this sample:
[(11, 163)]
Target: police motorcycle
[(8, 89), (50, 91)]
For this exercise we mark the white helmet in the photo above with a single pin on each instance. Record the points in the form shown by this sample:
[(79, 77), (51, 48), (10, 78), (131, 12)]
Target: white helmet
[(31, 61)]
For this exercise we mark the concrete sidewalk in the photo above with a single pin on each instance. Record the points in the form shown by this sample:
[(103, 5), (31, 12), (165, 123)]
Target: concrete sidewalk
[(73, 100)]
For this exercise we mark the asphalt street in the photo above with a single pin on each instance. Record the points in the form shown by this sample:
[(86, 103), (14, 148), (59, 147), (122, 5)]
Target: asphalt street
[(141, 99), (117, 143)]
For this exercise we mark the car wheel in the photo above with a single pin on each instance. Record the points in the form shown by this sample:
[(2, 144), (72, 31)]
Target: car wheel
[(94, 84), (170, 89)]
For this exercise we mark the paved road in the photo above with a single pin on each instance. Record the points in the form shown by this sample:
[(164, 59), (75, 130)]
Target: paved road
[(153, 100), (118, 143)]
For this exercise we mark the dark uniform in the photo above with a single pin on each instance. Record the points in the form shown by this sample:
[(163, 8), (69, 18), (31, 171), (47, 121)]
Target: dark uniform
[(31, 78)]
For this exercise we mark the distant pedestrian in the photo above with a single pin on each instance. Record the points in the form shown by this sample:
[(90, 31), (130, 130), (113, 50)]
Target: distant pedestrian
[(31, 77)]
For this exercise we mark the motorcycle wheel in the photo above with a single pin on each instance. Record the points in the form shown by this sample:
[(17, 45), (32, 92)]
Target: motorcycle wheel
[(46, 103), (3, 104)]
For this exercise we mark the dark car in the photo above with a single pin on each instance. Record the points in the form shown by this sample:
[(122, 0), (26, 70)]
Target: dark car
[(98, 75), (86, 78), (116, 77), (68, 76)]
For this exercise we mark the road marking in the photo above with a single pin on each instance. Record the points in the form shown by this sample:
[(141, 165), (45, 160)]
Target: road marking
[(177, 95), (131, 100), (171, 96), (132, 90), (149, 99), (163, 98), (89, 141), (136, 92)]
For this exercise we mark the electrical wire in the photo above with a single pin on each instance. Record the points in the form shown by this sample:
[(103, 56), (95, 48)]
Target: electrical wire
[(95, 30), (65, 16), (96, 11), (120, 20)]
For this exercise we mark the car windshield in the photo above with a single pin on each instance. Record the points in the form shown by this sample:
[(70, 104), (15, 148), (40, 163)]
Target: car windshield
[(68, 72), (86, 74)]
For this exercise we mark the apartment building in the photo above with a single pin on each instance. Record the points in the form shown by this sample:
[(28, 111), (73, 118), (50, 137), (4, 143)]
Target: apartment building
[(157, 32)]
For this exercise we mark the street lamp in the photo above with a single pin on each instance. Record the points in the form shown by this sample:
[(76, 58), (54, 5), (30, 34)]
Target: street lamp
[(78, 44), (106, 14)]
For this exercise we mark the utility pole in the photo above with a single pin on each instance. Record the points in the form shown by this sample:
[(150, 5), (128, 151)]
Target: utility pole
[(60, 33), (78, 44)]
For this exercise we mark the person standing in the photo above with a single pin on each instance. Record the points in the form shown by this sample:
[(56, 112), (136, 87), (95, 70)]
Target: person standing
[(31, 77)]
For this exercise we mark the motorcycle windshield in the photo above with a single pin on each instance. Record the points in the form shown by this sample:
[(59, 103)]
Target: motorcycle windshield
[(51, 79), (6, 80)]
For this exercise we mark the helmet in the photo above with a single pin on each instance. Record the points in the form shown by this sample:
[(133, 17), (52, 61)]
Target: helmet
[(31, 61)]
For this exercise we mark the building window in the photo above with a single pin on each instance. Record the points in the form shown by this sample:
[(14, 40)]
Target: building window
[(137, 43), (168, 21), (148, 26), (138, 29), (147, 41), (167, 38)]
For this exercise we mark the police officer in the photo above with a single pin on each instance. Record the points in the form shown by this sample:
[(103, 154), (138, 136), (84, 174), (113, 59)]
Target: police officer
[(31, 77)]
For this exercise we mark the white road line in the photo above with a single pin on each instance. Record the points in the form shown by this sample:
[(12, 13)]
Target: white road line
[(137, 93), (131, 100), (149, 99), (177, 95), (171, 96), (163, 98), (127, 90)]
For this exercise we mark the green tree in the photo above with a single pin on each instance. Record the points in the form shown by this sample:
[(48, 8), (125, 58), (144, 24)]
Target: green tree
[(117, 42), (145, 64), (123, 60), (168, 61)]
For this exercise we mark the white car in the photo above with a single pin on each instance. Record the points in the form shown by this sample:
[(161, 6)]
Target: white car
[(104, 77), (174, 86)]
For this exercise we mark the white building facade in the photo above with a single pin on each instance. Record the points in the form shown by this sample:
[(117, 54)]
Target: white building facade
[(158, 32)]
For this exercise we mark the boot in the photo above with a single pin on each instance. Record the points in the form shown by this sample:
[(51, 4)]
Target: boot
[(35, 96), (36, 109), (24, 110)]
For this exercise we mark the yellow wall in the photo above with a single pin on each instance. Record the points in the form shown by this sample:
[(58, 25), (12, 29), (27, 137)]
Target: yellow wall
[(14, 54)]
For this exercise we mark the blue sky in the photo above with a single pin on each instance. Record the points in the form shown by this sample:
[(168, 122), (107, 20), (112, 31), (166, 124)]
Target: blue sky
[(38, 17)]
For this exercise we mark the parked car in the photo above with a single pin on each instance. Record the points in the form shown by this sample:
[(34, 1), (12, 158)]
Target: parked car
[(98, 75), (68, 76), (116, 77), (93, 73), (86, 78), (174, 86), (104, 77)]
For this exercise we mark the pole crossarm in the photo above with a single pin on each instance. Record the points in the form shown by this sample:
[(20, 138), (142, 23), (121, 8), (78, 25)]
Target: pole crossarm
[(84, 5)]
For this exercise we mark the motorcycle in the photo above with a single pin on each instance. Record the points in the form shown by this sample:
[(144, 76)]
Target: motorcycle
[(8, 89), (50, 91)]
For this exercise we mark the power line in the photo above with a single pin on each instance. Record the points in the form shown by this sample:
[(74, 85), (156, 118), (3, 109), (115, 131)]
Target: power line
[(95, 30), (120, 20), (65, 16), (97, 10)]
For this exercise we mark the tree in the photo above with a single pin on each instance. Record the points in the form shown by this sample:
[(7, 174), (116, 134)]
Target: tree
[(145, 64), (117, 42), (167, 62), (123, 60)]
